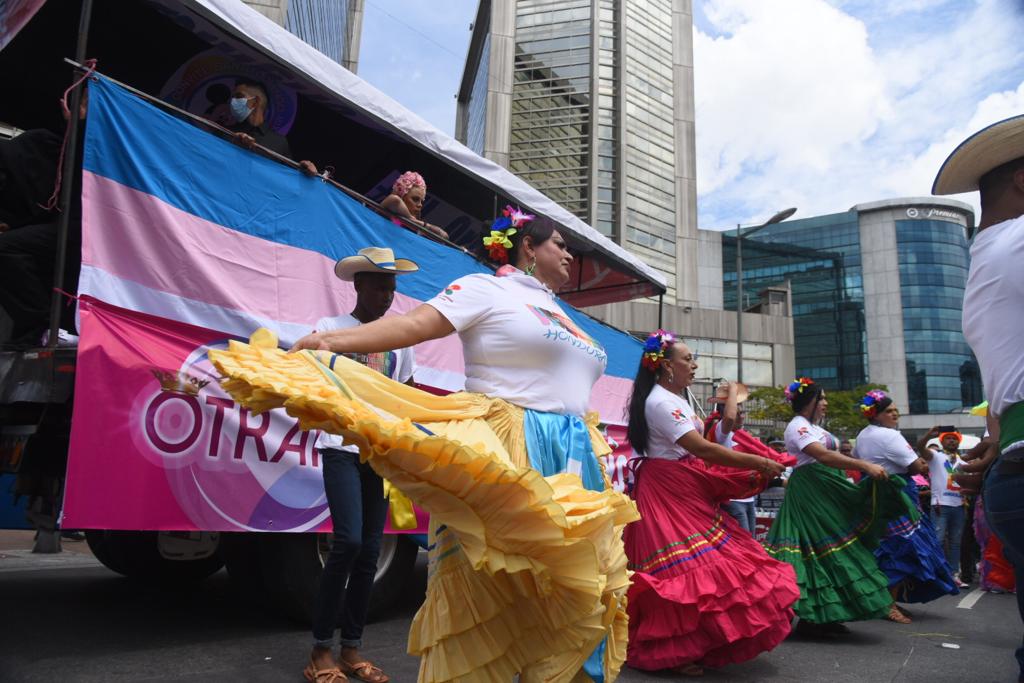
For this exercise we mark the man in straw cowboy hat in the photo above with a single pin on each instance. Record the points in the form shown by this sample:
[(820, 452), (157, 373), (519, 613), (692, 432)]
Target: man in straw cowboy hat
[(992, 161), (355, 493)]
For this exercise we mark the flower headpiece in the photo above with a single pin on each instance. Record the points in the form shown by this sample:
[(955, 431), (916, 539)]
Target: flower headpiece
[(869, 403), (498, 242), (797, 387), (654, 349), (406, 182)]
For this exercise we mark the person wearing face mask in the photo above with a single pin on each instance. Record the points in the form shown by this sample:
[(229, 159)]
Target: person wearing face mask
[(828, 527), (527, 569), (406, 200), (910, 553), (704, 591), (248, 107)]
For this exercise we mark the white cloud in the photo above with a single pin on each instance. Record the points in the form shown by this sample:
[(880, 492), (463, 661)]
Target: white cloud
[(799, 103)]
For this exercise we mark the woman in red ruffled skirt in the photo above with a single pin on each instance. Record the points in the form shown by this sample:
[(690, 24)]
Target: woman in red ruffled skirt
[(704, 592)]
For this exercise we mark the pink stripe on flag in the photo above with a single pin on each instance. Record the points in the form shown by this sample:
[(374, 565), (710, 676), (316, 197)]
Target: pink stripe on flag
[(202, 261)]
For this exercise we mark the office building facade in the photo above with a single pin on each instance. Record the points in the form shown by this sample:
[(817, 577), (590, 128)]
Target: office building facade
[(591, 101), (877, 295), (333, 27)]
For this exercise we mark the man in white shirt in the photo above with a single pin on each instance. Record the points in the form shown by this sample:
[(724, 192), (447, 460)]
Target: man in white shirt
[(948, 515), (992, 161), (355, 493)]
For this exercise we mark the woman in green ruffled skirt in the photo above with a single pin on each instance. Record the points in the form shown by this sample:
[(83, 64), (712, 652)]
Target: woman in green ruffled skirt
[(828, 527)]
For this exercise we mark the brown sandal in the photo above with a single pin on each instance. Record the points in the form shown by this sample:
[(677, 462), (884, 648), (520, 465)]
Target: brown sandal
[(329, 675), (897, 616), (364, 671)]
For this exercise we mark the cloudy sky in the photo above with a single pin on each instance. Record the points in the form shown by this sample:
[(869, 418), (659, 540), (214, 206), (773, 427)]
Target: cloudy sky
[(818, 104)]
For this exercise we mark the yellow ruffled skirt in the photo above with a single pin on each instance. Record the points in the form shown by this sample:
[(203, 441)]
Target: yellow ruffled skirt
[(527, 573)]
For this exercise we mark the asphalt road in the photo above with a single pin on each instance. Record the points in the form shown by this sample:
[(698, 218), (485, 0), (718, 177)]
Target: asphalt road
[(66, 618)]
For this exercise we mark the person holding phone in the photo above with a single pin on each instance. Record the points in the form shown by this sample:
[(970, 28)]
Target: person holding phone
[(947, 497)]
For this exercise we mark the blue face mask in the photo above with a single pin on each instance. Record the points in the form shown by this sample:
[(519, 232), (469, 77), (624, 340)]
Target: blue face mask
[(240, 108)]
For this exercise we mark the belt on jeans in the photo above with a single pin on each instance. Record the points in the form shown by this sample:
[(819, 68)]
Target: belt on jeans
[(1010, 466)]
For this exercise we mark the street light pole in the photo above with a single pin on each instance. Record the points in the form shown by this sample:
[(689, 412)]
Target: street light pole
[(777, 218), (739, 303)]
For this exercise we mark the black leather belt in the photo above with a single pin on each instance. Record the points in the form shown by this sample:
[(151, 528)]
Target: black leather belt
[(1011, 466)]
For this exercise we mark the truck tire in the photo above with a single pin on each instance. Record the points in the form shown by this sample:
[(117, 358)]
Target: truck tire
[(136, 554), (243, 559), (292, 564)]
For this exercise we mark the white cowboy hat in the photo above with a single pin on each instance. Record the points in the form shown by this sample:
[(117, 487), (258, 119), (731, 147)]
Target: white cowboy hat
[(373, 260), (977, 155)]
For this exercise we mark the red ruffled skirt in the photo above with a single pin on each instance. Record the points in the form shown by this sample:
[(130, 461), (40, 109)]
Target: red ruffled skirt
[(704, 591)]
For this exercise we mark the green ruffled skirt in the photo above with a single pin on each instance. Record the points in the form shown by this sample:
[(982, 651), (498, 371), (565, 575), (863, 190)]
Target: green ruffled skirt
[(827, 528)]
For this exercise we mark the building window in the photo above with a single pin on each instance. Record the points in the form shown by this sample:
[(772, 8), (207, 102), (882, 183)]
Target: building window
[(942, 373), (820, 258)]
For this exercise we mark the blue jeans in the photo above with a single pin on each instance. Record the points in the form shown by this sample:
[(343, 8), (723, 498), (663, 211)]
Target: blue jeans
[(1004, 509), (743, 513), (355, 495), (949, 527)]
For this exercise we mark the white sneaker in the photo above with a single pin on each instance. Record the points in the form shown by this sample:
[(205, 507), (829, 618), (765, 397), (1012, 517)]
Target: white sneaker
[(958, 582)]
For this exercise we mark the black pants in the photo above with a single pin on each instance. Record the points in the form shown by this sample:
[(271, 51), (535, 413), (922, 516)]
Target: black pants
[(970, 552), (26, 279)]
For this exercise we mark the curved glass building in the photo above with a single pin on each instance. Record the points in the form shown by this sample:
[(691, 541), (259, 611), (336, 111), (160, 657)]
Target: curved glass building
[(877, 296)]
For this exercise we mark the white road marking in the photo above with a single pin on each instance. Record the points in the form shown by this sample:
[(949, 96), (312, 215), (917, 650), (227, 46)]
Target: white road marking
[(971, 598)]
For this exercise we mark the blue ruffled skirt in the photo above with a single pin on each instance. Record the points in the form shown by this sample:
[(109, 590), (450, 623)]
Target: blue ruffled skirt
[(912, 558)]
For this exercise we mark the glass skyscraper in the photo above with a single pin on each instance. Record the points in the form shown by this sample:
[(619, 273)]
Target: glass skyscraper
[(331, 26), (590, 101), (820, 257), (877, 296)]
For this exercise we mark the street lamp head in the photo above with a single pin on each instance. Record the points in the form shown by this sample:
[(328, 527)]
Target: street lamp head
[(781, 216)]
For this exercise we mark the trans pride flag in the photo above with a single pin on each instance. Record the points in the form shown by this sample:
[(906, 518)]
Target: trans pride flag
[(188, 241)]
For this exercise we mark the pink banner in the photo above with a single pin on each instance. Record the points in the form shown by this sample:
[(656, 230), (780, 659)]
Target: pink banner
[(175, 452)]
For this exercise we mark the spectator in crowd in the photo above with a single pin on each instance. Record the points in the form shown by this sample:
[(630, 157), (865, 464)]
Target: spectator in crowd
[(406, 201), (355, 493), (947, 499), (248, 106), (29, 231)]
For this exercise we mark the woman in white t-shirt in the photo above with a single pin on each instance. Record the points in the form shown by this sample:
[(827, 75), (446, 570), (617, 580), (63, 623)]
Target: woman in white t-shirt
[(704, 591), (528, 573), (827, 526), (909, 554)]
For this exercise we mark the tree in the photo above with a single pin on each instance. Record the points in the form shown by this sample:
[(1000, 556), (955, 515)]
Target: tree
[(843, 419)]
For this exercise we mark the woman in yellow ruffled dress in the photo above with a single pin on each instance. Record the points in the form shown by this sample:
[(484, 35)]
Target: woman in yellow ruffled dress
[(527, 570)]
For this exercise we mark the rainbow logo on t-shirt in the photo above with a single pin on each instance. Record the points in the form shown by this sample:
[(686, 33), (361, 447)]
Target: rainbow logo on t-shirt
[(951, 485)]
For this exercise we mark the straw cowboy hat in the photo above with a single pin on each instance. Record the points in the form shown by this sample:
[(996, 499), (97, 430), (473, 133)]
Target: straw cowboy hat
[(977, 155), (373, 260), (722, 393)]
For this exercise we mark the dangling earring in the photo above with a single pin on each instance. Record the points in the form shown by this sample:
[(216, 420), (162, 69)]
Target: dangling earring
[(532, 267)]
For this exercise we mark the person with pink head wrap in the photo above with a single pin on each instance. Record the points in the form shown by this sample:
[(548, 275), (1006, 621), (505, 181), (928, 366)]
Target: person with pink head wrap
[(406, 201)]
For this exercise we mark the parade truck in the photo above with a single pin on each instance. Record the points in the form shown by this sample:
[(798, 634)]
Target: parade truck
[(189, 240)]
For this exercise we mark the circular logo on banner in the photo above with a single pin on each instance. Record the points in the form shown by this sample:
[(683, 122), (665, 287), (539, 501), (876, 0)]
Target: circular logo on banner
[(912, 212), (227, 468), (203, 86)]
